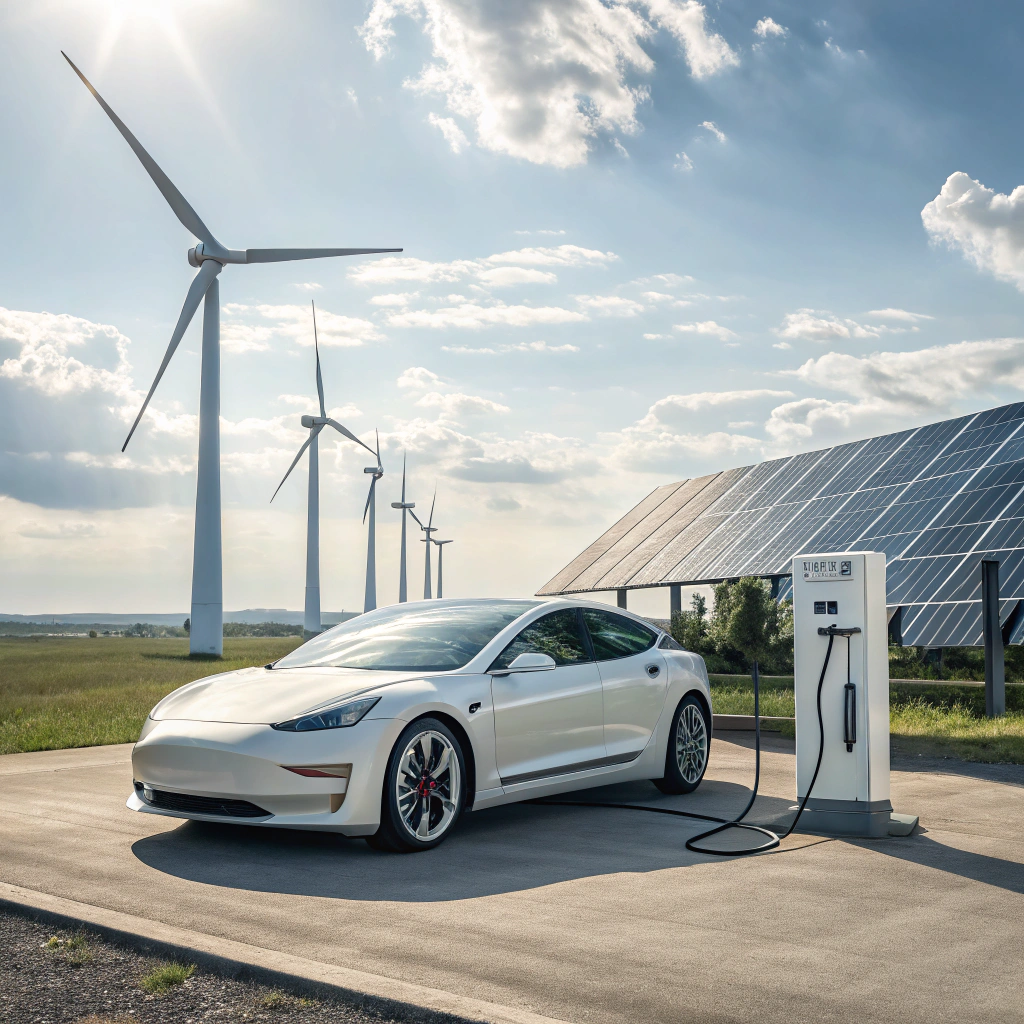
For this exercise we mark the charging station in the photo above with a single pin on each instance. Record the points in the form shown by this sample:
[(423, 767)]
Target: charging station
[(841, 684)]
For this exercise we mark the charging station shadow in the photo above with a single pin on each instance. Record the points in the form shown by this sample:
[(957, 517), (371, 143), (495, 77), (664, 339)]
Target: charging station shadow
[(927, 852), (505, 849)]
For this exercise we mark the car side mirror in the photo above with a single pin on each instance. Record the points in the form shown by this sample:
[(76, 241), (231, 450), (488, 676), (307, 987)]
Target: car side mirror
[(530, 661)]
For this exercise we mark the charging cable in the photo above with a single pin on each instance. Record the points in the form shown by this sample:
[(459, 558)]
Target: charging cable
[(727, 823)]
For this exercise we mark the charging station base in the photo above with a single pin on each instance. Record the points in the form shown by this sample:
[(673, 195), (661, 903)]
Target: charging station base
[(846, 817)]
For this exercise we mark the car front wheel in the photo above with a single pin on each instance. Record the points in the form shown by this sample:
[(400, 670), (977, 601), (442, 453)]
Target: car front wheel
[(689, 744), (424, 789)]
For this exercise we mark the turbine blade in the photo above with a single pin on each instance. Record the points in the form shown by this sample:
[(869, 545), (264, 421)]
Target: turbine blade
[(287, 255), (377, 433), (196, 290), (403, 477), (419, 522), (369, 496), (430, 521), (319, 379), (348, 433), (295, 461), (177, 202)]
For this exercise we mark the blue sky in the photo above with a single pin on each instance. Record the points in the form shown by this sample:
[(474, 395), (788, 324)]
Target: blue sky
[(644, 239)]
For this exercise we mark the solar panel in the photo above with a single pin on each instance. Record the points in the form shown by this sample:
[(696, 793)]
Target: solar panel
[(937, 500)]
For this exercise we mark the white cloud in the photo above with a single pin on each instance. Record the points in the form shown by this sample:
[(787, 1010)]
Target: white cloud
[(707, 327), (418, 377), (707, 53), (897, 314), (656, 337), (986, 226), (524, 346), (394, 298), (821, 325), (539, 79), (609, 305), (699, 400), (769, 27), (559, 255), (390, 269), (473, 315), (333, 329), (45, 362), (238, 338), (669, 280), (505, 277), (518, 266), (453, 134), (308, 286), (454, 406), (714, 129), (893, 387), (682, 162)]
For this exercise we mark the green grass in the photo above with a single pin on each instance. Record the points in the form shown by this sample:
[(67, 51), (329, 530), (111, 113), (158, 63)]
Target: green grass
[(74, 949), (165, 977), (76, 692), (937, 720)]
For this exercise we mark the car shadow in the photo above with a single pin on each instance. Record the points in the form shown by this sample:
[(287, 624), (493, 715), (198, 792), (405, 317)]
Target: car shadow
[(504, 849)]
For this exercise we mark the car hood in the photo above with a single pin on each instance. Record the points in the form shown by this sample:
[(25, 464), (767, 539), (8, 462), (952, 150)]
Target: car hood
[(260, 696)]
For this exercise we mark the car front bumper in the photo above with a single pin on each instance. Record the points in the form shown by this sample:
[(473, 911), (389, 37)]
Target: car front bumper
[(222, 763)]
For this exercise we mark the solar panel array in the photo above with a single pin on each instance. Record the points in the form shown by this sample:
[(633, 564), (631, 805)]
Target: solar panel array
[(937, 500)]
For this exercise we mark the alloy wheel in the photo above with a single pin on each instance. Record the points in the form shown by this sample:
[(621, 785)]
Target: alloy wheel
[(691, 744), (428, 785)]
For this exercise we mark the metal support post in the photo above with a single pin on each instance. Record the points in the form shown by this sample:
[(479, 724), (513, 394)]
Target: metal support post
[(995, 672), (620, 596), (675, 597)]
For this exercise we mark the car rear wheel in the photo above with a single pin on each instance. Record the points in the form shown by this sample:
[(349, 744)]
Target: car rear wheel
[(689, 744), (424, 789)]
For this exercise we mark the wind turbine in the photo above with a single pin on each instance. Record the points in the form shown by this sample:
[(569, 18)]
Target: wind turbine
[(428, 530), (440, 566), (311, 617), (405, 506), (210, 257), (370, 600)]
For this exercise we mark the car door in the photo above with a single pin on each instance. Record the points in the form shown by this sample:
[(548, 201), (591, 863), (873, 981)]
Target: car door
[(633, 679), (550, 722)]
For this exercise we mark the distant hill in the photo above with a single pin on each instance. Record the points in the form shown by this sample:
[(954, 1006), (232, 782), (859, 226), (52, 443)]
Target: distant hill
[(84, 621)]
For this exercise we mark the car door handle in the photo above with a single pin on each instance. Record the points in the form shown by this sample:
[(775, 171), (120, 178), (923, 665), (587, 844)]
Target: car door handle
[(653, 670)]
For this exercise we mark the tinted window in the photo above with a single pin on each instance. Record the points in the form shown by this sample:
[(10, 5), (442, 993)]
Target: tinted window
[(669, 644), (615, 636), (410, 637), (557, 634)]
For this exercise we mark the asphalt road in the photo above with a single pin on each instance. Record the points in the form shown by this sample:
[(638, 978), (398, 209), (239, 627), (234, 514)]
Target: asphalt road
[(582, 914)]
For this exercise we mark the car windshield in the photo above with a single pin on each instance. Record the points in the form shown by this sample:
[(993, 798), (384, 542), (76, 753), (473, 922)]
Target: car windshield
[(410, 637)]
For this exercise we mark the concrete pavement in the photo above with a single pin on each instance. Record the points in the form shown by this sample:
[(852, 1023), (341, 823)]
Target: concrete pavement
[(579, 914)]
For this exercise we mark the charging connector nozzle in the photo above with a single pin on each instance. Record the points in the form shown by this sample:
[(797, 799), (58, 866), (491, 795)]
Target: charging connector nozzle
[(835, 630)]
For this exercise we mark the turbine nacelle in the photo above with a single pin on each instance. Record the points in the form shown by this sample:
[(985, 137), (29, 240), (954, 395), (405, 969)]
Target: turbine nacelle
[(403, 504), (375, 470), (308, 421)]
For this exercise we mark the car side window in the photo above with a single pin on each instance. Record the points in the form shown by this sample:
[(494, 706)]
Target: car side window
[(615, 636), (557, 634), (670, 644)]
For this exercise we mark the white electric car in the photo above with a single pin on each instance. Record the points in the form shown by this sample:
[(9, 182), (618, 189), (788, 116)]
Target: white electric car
[(390, 725)]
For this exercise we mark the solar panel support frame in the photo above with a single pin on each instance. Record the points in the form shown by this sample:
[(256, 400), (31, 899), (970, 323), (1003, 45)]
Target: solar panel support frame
[(995, 668)]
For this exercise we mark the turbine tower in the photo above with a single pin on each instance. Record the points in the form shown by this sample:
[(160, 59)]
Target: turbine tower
[(210, 257), (440, 566), (370, 600), (405, 506), (311, 617), (428, 530)]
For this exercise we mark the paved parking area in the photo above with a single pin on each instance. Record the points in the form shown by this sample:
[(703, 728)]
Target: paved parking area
[(580, 914)]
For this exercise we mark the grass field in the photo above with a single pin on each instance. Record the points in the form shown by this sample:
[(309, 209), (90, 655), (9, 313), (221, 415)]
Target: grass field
[(944, 720), (71, 692)]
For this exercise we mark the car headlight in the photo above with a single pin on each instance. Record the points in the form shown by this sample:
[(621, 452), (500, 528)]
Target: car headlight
[(341, 717)]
